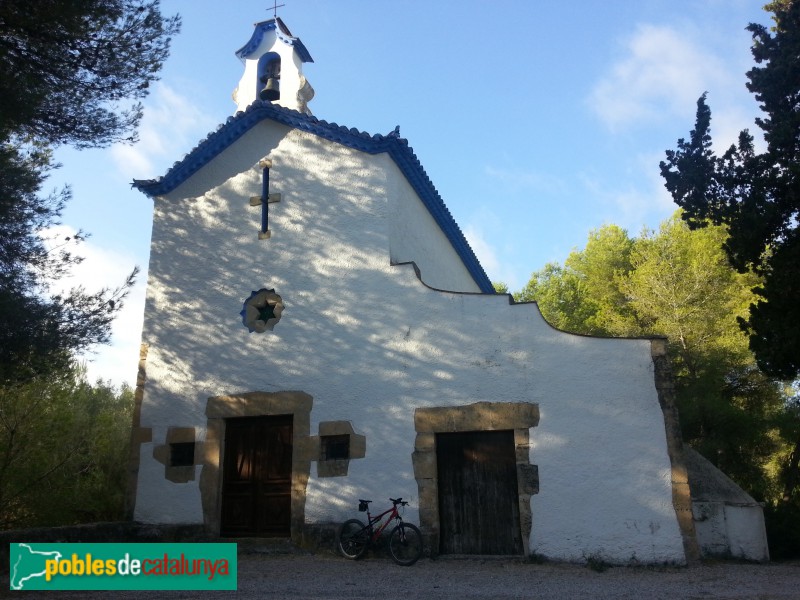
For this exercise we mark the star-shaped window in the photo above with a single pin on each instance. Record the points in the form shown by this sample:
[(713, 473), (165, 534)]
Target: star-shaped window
[(262, 310)]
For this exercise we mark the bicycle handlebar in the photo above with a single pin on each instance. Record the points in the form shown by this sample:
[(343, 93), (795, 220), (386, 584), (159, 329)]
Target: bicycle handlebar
[(394, 501)]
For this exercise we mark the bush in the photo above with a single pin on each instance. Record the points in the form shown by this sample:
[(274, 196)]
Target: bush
[(63, 451), (783, 530)]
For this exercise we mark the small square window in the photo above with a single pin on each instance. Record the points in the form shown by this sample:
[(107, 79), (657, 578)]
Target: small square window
[(335, 447), (181, 454)]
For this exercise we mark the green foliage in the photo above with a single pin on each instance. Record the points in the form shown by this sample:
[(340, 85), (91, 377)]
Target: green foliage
[(606, 258), (677, 282), (40, 332), (559, 296), (500, 287), (64, 447), (783, 530), (681, 286), (583, 296), (67, 68), (756, 196)]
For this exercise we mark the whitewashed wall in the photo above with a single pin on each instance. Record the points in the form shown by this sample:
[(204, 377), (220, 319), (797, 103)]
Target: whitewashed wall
[(727, 530), (291, 76), (370, 343)]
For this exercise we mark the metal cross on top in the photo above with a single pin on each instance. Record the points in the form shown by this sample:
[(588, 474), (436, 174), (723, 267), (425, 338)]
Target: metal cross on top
[(275, 6)]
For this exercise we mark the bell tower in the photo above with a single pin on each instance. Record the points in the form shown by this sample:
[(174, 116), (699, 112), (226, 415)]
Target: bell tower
[(273, 68)]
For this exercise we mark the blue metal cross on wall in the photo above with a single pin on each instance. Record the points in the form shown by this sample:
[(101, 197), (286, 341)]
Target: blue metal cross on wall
[(265, 199)]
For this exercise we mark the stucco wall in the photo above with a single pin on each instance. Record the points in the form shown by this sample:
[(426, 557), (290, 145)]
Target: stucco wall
[(415, 237), (729, 531), (369, 342), (728, 521)]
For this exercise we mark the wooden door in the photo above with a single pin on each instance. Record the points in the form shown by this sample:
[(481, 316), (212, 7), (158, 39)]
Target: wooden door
[(257, 477), (478, 497)]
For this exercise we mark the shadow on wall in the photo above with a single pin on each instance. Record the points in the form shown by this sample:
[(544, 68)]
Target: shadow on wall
[(365, 339)]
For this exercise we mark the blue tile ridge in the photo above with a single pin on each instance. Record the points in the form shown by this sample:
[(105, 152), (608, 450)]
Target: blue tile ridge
[(394, 145), (283, 34)]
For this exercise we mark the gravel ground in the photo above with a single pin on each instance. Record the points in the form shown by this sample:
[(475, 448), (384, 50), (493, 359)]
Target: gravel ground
[(270, 575)]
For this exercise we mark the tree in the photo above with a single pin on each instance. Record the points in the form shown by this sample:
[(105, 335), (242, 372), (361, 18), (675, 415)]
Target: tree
[(558, 294), (682, 286), (607, 256), (37, 333), (63, 450), (500, 287), (677, 282), (756, 196), (66, 70), (66, 66), (582, 296)]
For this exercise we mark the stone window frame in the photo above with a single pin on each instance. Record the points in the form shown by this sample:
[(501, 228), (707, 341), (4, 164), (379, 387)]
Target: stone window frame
[(163, 454), (339, 467), (519, 417), (250, 313)]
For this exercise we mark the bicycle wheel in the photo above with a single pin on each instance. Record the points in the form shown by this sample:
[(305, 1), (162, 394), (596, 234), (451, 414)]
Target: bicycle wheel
[(353, 539), (405, 544)]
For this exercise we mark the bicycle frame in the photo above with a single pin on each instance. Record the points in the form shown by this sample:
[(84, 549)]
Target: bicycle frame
[(404, 541), (393, 513)]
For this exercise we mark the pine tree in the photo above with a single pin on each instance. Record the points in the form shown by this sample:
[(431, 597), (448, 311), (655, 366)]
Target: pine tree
[(756, 196)]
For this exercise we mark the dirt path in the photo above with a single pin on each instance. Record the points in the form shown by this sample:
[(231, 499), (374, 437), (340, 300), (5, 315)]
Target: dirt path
[(329, 576)]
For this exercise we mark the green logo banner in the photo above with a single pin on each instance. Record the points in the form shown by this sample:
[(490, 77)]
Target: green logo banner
[(43, 566)]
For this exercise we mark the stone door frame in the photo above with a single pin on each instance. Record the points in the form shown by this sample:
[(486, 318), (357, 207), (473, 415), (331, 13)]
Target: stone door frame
[(257, 404), (481, 416)]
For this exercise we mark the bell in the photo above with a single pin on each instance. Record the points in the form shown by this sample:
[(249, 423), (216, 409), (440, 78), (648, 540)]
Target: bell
[(271, 90)]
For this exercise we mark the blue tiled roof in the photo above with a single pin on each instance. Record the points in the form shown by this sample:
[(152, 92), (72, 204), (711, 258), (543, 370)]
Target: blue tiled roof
[(283, 34), (397, 147)]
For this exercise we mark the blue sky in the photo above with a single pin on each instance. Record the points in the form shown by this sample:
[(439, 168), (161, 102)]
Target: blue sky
[(536, 120)]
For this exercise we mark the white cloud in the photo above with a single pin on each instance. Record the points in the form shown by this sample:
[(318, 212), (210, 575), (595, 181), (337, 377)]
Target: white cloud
[(171, 125), (527, 180), (659, 199), (487, 255), (105, 268), (661, 75), (726, 123), (635, 202), (482, 249)]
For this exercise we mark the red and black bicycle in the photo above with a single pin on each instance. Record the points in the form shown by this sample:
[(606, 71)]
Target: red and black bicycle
[(405, 540)]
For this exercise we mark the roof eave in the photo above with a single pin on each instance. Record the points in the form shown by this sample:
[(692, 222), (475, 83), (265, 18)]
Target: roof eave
[(283, 34)]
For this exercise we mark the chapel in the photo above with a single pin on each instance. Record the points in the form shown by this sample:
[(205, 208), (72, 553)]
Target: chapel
[(318, 330)]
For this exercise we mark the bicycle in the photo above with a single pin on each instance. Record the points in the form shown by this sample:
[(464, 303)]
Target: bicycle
[(405, 540)]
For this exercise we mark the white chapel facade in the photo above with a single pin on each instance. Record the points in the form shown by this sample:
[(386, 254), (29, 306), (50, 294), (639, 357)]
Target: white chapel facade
[(318, 330)]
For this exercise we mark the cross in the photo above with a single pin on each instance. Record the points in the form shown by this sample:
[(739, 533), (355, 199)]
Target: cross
[(275, 6), (265, 199)]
